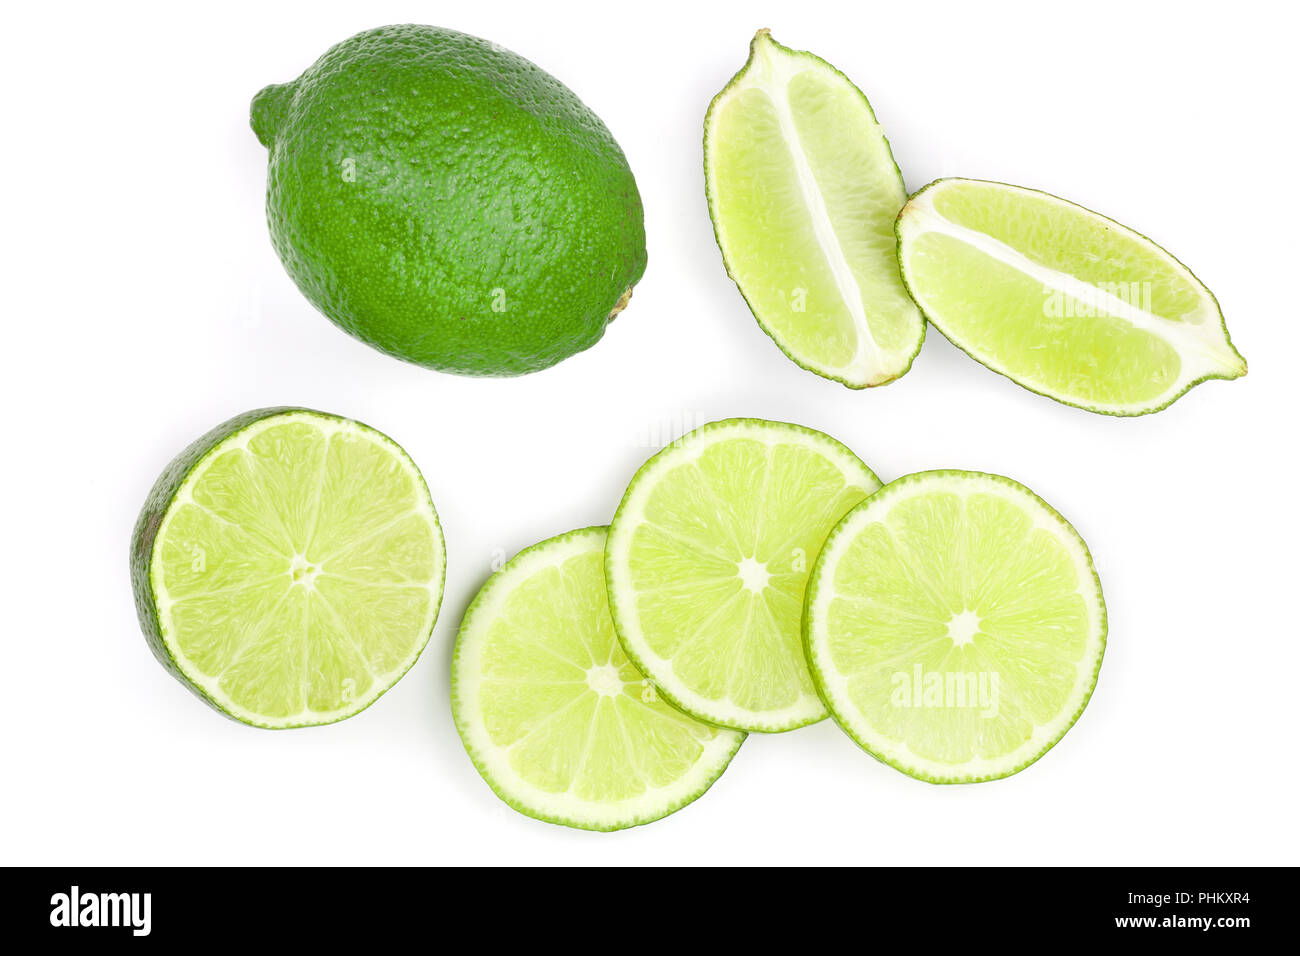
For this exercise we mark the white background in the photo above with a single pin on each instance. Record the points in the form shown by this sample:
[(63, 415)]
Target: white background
[(144, 304)]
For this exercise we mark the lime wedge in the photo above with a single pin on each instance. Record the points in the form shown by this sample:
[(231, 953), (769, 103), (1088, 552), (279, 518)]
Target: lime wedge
[(707, 560), (288, 567), (557, 720), (955, 626), (1059, 299), (803, 192)]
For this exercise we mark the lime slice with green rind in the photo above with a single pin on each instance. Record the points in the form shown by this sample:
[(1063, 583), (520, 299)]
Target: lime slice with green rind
[(803, 191), (557, 720), (955, 626), (288, 567), (1059, 299), (708, 557)]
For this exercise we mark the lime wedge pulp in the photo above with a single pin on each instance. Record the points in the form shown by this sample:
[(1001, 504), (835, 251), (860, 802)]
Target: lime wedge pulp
[(803, 192), (955, 626), (1060, 299), (288, 567), (556, 719), (708, 556)]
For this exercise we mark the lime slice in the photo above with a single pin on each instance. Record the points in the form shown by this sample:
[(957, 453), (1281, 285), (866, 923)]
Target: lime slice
[(708, 557), (557, 720), (1059, 299), (803, 192), (288, 567), (955, 626)]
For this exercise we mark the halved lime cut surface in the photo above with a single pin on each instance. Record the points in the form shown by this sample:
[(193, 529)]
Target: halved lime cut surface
[(1059, 299), (288, 567), (708, 557), (558, 721), (803, 191), (955, 626)]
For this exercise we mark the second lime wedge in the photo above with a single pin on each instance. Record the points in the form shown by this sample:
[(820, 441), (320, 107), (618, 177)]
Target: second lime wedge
[(1059, 299)]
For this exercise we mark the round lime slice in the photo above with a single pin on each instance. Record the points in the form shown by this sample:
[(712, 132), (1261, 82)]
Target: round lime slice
[(708, 557), (955, 626), (557, 720), (1059, 299), (803, 191), (288, 567)]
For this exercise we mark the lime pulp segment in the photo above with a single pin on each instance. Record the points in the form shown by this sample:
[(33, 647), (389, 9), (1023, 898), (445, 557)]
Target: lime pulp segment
[(1060, 299), (558, 721), (295, 567), (803, 191), (955, 626), (708, 556)]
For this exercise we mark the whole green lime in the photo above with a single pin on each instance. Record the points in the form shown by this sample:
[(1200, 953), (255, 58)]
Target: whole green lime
[(449, 202)]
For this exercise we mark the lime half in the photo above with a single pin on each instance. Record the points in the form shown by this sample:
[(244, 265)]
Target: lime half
[(804, 191), (557, 720), (708, 557), (955, 626), (1059, 299), (288, 567)]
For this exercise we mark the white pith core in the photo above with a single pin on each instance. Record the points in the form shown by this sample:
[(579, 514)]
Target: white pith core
[(303, 571), (753, 574), (1197, 338), (963, 627), (604, 680)]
